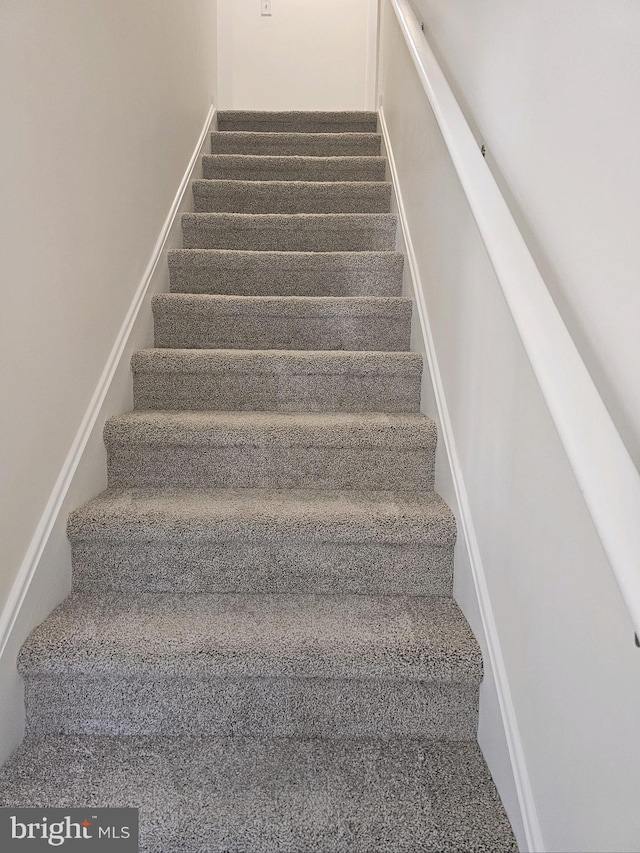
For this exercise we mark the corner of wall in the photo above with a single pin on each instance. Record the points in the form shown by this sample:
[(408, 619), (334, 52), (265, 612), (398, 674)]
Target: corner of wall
[(371, 71)]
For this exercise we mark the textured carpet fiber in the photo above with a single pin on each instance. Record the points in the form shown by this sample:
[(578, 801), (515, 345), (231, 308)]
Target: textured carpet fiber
[(270, 167), (245, 795), (291, 197), (242, 273), (262, 651)]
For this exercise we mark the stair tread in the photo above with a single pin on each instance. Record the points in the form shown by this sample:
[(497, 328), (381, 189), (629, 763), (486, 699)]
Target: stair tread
[(237, 272), (290, 231), (277, 379), (257, 220), (239, 794), (263, 429), (205, 186), (295, 142), (287, 160), (294, 323), (337, 515), (310, 362), (273, 635), (226, 115), (284, 306), (295, 135), (296, 167), (299, 260), (217, 195), (297, 120)]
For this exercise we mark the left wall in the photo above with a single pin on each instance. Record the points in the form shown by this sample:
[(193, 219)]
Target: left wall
[(101, 105)]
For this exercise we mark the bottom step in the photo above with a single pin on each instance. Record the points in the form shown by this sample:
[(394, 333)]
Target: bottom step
[(240, 795)]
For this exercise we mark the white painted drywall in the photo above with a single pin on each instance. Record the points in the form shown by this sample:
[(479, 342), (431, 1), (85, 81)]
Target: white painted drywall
[(572, 670), (305, 56), (102, 105), (552, 89)]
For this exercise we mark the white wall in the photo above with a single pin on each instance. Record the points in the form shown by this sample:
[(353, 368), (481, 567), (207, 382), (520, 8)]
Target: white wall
[(552, 89), (553, 617), (102, 104), (306, 56)]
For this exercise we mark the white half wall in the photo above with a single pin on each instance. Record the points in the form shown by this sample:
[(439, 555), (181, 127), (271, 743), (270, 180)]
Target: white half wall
[(304, 56), (103, 104), (558, 717)]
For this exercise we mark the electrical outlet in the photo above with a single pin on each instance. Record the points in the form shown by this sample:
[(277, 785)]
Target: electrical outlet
[(265, 6)]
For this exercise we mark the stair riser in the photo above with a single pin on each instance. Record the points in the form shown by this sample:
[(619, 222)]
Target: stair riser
[(135, 464), (257, 197), (243, 168), (296, 237), (281, 275), (302, 392), (301, 122), (303, 145), (257, 707), (245, 566), (198, 331)]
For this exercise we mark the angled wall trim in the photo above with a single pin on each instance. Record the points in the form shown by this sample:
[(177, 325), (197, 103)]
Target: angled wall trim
[(524, 791)]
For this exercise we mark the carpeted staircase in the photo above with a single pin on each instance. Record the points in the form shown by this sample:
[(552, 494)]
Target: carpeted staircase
[(262, 651)]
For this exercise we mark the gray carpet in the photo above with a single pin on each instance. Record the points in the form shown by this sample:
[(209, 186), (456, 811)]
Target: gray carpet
[(297, 122), (270, 167), (291, 196), (292, 144), (277, 380), (278, 322), (244, 795), (297, 232), (271, 273), (277, 450), (262, 651)]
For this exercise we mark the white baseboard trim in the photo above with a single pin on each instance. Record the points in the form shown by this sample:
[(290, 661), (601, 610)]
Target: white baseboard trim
[(524, 792), (51, 520)]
